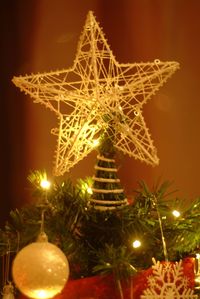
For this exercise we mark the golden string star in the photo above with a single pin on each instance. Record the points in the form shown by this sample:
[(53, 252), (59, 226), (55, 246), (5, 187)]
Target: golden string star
[(98, 93)]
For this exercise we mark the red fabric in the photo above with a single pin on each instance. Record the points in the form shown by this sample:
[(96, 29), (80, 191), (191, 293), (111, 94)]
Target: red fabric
[(104, 287)]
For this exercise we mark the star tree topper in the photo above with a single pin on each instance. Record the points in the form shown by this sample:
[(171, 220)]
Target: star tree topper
[(96, 95)]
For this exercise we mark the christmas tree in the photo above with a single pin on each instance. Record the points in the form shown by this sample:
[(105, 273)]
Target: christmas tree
[(98, 229)]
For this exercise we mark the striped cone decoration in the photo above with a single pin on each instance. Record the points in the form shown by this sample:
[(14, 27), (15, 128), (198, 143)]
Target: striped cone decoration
[(107, 191)]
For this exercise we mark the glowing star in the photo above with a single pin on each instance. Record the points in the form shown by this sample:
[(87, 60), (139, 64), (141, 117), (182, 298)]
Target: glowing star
[(168, 282), (98, 94)]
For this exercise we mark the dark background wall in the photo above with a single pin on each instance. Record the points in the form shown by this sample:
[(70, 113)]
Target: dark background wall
[(42, 35), (17, 22)]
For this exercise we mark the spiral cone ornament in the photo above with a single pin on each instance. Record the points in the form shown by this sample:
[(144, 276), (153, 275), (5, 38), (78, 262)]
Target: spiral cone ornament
[(107, 191)]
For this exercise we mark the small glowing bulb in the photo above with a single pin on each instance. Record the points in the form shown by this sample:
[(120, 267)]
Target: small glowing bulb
[(89, 190), (45, 184), (95, 142), (198, 256), (136, 244), (176, 213)]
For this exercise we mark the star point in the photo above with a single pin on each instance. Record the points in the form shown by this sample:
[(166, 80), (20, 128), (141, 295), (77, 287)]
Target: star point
[(95, 94)]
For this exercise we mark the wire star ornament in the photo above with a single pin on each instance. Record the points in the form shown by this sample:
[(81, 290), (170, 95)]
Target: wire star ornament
[(98, 94)]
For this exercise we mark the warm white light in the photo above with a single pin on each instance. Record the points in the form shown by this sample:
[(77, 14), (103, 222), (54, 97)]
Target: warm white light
[(95, 142), (89, 190), (176, 213), (136, 244), (45, 184), (198, 256), (44, 294), (197, 279), (41, 294)]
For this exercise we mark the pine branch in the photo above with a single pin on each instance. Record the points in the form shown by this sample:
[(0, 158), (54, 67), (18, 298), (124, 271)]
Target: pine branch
[(101, 241)]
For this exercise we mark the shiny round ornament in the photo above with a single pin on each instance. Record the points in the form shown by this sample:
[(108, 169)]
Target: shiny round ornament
[(40, 270)]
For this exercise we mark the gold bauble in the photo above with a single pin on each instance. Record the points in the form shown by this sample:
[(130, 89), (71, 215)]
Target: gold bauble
[(40, 270)]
